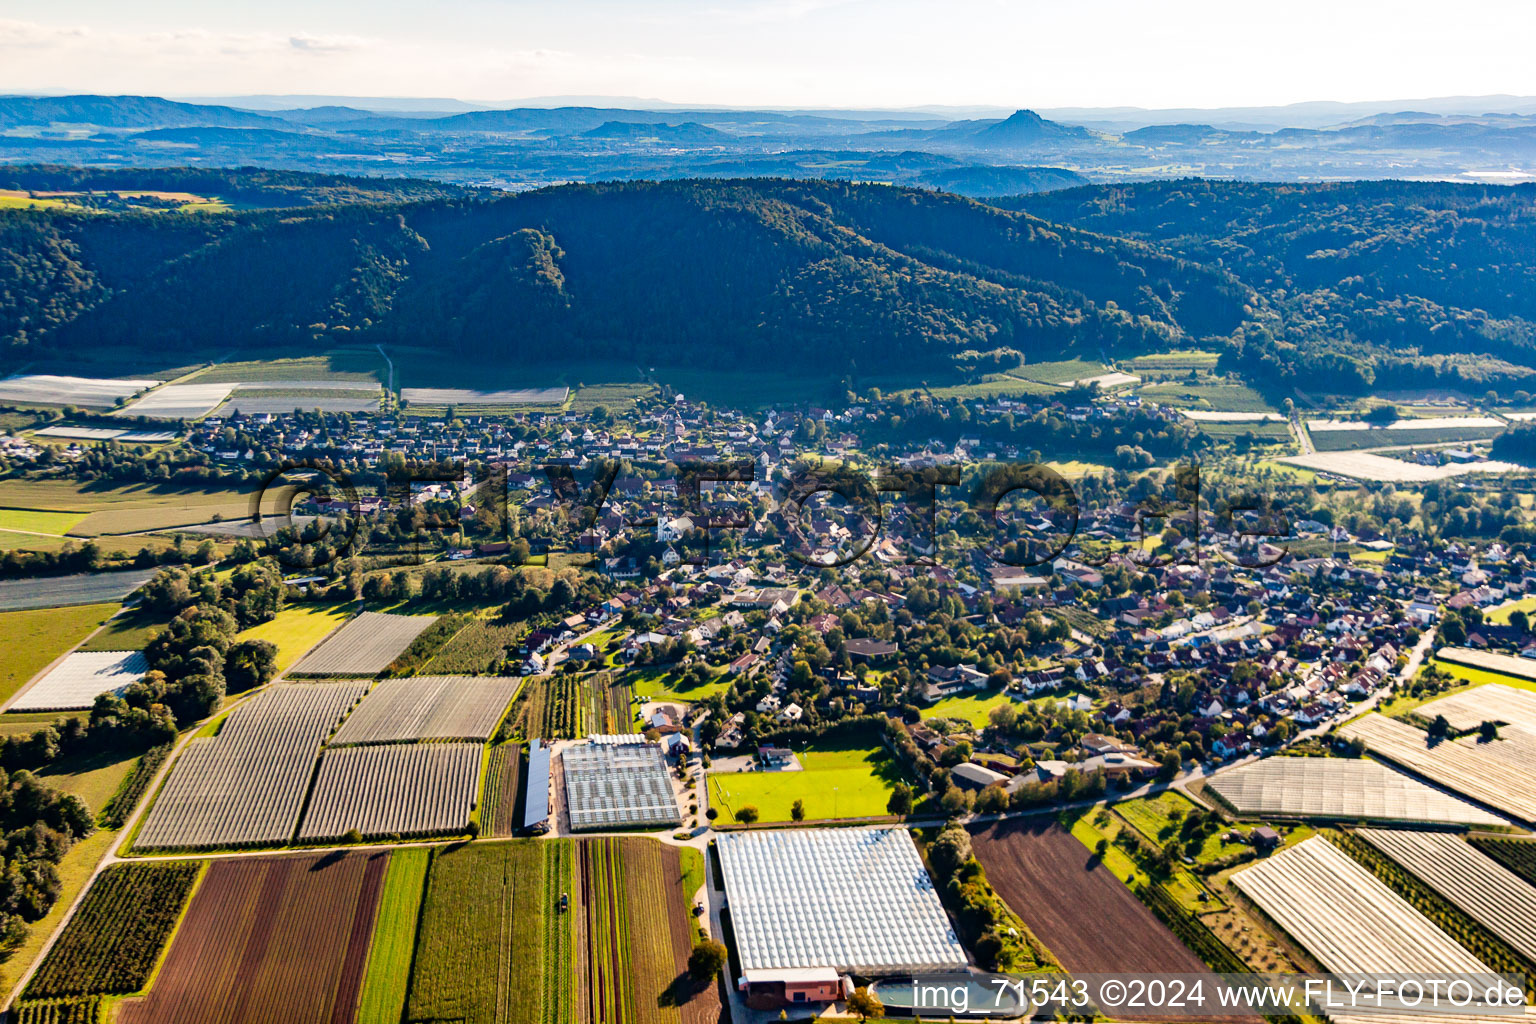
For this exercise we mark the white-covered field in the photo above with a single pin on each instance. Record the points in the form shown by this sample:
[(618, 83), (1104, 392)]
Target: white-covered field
[(177, 401), (1490, 894), (1216, 416), (429, 708), (1106, 381), (465, 396), (409, 789), (80, 678), (107, 434), (1508, 664), (246, 786), (1500, 774), (365, 645), (1340, 789), (1422, 423), (87, 392), (1346, 918), (1368, 466)]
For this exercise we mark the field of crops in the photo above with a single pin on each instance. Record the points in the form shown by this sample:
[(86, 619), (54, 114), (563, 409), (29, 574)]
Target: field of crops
[(609, 705), (430, 708), (112, 941), (388, 974), (80, 678), (1346, 918), (1340, 789), (29, 640), (266, 939), (296, 629), (75, 1010), (493, 946), (1359, 465), (556, 708), (247, 784), (81, 588), (478, 648), (498, 814), (404, 789), (1516, 855), (1492, 896), (365, 646), (1500, 774), (86, 392)]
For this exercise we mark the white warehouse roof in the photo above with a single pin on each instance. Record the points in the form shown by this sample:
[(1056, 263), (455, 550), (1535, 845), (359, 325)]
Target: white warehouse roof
[(855, 899)]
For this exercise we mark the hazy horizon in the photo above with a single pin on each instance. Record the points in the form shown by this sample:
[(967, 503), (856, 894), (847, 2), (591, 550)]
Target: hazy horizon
[(848, 54)]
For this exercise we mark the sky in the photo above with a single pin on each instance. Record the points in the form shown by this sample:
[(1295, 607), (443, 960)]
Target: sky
[(807, 53)]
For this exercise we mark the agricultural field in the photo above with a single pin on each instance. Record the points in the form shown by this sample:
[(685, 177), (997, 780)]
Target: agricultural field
[(1501, 774), (130, 630), (361, 368), (1489, 661), (469, 398), (388, 974), (296, 629), (478, 648), (1218, 397), (1516, 855), (557, 707), (82, 588), (1180, 363), (31, 639), (1159, 819), (1339, 789), (268, 938), (996, 385), (1358, 465), (177, 402), (972, 709), (366, 645), (85, 392), (429, 708), (112, 942), (31, 520), (79, 679), (394, 789), (1479, 886), (503, 783), (510, 890), (1346, 918), (1062, 372), (1073, 904), (661, 684), (840, 779), (95, 776), (246, 785)]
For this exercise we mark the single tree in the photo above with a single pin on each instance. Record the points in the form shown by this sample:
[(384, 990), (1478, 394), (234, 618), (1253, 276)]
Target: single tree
[(797, 810), (747, 814), (866, 1004), (707, 960)]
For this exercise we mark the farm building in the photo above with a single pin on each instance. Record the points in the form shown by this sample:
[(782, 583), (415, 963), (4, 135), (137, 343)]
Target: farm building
[(536, 802), (618, 782), (809, 906)]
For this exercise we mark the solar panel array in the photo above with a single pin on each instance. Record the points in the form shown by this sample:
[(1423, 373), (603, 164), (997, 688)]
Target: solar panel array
[(854, 899), (405, 789), (614, 784), (246, 785), (429, 708), (80, 678), (1341, 789)]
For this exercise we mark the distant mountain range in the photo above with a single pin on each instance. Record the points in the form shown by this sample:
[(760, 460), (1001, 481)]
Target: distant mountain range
[(1481, 139)]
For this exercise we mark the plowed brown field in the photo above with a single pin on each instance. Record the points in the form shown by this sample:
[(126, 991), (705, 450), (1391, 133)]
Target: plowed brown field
[(269, 940)]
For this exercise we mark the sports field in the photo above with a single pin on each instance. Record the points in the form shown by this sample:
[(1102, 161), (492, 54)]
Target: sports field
[(838, 780)]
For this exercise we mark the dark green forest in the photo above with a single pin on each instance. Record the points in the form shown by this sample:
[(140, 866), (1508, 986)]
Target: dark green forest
[(1330, 288)]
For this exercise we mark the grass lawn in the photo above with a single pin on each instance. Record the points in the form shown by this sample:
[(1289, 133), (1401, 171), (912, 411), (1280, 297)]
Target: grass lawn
[(296, 629), (130, 631), (388, 974), (660, 682), (30, 639), (92, 777), (843, 780), (995, 385), (74, 871), (30, 520), (1119, 864), (1062, 371), (1500, 616), (27, 722), (973, 708), (1220, 397), (1181, 885)]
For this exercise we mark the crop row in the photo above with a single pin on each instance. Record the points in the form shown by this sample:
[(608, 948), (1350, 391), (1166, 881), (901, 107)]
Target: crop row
[(132, 788), (60, 1011), (247, 784), (478, 648), (1516, 855), (366, 645), (404, 789), (111, 943), (499, 808), (429, 708)]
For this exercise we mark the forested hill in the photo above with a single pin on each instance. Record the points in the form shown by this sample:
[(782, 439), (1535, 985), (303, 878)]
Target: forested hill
[(1370, 284), (732, 273)]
